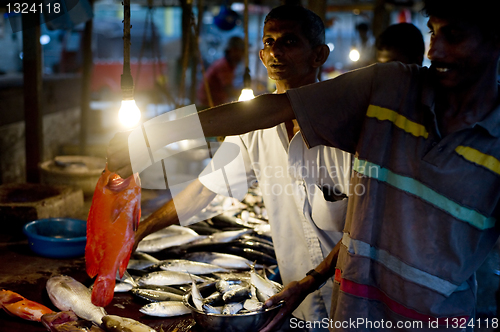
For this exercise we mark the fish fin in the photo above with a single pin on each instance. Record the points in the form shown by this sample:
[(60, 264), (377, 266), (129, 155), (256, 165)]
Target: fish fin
[(103, 291), (91, 259), (124, 264)]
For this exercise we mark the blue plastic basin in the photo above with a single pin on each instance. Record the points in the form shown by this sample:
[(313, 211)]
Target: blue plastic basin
[(57, 237)]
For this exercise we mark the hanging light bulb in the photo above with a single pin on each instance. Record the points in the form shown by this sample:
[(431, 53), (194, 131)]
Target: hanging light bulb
[(354, 55), (129, 114), (246, 92)]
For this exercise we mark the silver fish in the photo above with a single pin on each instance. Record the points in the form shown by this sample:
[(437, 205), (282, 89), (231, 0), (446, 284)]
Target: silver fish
[(139, 264), (163, 288), (196, 297), (161, 243), (155, 295), (143, 256), (224, 237), (183, 265), (212, 310), (232, 308), (68, 294), (122, 324), (165, 309), (253, 305), (166, 278), (123, 287), (236, 294), (227, 261), (225, 285), (213, 298), (172, 230), (263, 285), (126, 278)]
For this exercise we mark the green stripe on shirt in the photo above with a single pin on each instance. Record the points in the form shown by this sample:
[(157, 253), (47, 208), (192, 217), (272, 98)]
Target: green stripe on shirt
[(420, 190)]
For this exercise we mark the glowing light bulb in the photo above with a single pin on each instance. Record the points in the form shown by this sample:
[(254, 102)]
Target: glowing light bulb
[(246, 94), (354, 55), (129, 114)]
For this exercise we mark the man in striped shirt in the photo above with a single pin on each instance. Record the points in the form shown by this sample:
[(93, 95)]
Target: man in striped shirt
[(426, 181)]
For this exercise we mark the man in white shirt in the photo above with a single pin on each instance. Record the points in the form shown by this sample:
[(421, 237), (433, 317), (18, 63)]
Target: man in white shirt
[(304, 190)]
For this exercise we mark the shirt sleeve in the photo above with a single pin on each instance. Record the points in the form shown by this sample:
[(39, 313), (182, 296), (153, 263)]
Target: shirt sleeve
[(332, 112)]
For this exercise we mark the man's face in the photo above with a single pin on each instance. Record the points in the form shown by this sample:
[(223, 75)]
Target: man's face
[(459, 53), (287, 54)]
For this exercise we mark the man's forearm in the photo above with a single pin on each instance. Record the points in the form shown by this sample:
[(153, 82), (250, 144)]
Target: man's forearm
[(326, 268), (189, 202), (263, 112)]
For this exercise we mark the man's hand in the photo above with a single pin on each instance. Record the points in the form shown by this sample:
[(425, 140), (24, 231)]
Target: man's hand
[(118, 156), (293, 295)]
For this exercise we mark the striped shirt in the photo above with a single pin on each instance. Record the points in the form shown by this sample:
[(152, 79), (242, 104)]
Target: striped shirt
[(422, 216)]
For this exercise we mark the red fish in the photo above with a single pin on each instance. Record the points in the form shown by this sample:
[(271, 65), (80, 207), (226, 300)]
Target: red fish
[(113, 219), (16, 305)]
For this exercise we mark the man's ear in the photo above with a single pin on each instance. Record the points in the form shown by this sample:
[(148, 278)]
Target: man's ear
[(321, 53), (261, 59)]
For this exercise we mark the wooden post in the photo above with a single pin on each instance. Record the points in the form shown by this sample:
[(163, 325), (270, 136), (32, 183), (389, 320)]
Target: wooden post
[(86, 78), (381, 17), (33, 116)]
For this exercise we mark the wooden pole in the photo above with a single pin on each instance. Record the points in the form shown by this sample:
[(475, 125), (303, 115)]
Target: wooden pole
[(32, 73), (86, 77)]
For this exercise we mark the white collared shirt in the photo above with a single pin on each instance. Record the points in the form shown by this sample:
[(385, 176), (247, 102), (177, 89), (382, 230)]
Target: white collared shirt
[(304, 226)]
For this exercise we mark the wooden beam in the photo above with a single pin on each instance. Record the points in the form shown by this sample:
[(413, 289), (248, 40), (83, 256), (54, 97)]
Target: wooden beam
[(32, 72)]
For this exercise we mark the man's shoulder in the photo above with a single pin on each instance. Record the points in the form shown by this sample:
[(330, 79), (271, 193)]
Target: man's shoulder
[(393, 69)]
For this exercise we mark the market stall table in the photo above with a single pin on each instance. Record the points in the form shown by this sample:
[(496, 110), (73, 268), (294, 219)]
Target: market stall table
[(25, 273)]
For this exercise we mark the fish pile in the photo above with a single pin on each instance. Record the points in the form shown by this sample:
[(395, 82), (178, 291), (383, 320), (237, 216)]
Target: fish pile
[(163, 282), (224, 252), (234, 296)]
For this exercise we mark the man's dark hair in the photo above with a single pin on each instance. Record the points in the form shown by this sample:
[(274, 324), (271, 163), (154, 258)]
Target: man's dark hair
[(404, 38), (311, 24), (482, 13)]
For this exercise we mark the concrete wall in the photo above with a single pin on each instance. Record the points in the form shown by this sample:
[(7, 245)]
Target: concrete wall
[(61, 122)]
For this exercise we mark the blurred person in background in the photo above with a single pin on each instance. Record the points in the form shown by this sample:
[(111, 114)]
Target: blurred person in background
[(220, 76), (400, 42), (365, 46)]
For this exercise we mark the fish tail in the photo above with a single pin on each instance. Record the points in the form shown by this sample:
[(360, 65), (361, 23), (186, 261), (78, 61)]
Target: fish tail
[(103, 291)]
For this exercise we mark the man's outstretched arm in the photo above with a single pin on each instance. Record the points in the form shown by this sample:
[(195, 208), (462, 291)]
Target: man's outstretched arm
[(237, 118)]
